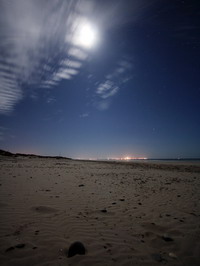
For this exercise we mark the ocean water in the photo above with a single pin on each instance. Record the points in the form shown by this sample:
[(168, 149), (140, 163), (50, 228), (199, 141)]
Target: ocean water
[(195, 161), (192, 161)]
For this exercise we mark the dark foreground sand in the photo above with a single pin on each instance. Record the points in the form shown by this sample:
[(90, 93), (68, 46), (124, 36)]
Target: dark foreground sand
[(124, 214)]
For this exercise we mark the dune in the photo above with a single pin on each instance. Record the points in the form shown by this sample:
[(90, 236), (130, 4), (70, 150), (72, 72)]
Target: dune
[(123, 213)]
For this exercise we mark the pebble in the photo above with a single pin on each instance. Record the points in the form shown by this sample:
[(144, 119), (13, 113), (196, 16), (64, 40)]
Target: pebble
[(16, 246), (76, 248), (20, 246), (167, 238), (9, 249), (172, 255)]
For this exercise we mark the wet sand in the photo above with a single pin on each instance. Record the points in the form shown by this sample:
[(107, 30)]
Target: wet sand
[(123, 213)]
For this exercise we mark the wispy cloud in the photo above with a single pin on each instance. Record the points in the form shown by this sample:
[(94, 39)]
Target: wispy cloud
[(10, 92), (84, 115), (51, 100), (37, 48), (71, 63), (123, 67), (110, 15), (77, 53), (102, 105), (112, 83), (107, 89)]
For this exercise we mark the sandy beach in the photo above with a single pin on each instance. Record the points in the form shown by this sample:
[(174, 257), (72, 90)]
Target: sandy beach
[(123, 213)]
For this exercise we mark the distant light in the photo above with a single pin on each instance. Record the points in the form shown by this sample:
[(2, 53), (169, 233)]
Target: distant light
[(127, 158)]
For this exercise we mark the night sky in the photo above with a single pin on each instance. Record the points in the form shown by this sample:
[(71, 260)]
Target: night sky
[(100, 79)]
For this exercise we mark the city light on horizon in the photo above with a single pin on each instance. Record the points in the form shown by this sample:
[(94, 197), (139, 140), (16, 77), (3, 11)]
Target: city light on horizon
[(126, 158)]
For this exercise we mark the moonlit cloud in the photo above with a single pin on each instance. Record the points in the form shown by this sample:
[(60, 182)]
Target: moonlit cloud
[(44, 42), (10, 93), (34, 50), (71, 71), (107, 89), (77, 53), (112, 15), (112, 83), (102, 105), (62, 74), (51, 100), (71, 63), (123, 67)]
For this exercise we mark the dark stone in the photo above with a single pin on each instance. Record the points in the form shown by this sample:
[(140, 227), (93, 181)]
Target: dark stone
[(167, 238), (104, 210), (9, 249), (82, 185), (20, 246), (76, 248)]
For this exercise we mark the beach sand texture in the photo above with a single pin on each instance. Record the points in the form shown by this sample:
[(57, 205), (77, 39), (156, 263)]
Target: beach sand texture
[(123, 213)]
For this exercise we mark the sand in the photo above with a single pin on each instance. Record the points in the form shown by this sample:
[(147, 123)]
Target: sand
[(123, 213)]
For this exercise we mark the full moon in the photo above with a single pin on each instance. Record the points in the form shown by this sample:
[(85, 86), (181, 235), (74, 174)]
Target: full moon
[(85, 35)]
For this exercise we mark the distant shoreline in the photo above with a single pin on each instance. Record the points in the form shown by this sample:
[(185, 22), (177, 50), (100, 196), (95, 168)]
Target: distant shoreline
[(7, 153)]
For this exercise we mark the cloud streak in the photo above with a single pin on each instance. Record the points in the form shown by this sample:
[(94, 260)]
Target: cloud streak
[(107, 89)]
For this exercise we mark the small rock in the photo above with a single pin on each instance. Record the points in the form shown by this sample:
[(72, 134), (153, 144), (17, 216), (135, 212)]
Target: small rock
[(20, 246), (104, 210), (9, 249), (172, 255), (167, 238), (37, 232), (76, 248), (82, 185)]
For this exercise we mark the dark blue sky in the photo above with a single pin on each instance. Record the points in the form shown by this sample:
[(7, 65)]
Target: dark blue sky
[(134, 91)]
